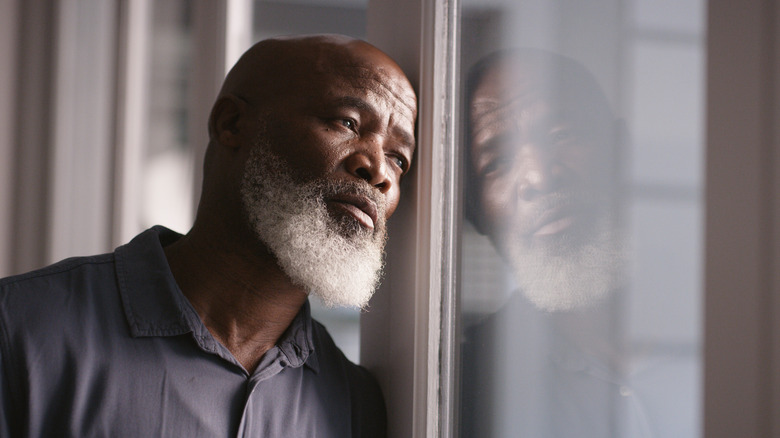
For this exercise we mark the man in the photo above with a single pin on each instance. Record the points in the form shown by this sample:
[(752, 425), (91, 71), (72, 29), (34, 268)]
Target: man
[(543, 187), (209, 334), (542, 176)]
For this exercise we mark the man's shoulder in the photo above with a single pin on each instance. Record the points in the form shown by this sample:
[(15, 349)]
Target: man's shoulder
[(59, 276), (70, 275), (56, 293), (56, 270)]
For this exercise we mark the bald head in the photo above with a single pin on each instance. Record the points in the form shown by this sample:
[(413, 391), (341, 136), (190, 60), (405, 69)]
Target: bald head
[(289, 67), (285, 78), (513, 79)]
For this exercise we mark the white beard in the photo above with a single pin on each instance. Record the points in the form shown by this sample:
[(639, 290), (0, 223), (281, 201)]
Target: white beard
[(568, 274), (338, 261)]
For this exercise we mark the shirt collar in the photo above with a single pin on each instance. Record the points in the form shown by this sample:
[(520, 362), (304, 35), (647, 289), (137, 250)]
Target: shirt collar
[(155, 306), (296, 342)]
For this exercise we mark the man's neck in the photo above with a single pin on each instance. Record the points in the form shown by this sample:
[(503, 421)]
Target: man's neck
[(244, 300)]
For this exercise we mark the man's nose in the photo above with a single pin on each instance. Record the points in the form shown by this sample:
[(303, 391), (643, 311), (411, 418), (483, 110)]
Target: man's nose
[(539, 171), (368, 162)]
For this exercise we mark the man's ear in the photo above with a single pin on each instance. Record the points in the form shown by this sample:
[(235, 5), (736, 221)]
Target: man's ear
[(224, 121)]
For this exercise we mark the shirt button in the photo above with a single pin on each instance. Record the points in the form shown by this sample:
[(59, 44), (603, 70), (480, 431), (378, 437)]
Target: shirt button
[(625, 391)]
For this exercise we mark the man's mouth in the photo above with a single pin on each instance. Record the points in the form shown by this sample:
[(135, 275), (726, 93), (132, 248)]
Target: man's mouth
[(555, 226), (361, 208), (556, 221)]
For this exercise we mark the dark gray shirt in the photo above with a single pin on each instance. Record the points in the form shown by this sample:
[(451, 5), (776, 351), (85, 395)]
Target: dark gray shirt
[(109, 346)]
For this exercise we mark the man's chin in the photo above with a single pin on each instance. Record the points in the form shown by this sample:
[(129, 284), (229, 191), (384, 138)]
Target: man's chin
[(339, 260), (565, 274), (352, 229), (553, 292), (352, 300)]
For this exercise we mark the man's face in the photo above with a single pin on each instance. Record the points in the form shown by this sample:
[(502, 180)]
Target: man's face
[(324, 177), (348, 121), (543, 165)]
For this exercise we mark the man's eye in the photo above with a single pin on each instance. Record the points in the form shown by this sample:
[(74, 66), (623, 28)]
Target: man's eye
[(493, 167), (496, 164), (349, 124), (399, 161)]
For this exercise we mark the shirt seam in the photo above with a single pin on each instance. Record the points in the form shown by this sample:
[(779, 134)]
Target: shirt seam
[(64, 266), (122, 286)]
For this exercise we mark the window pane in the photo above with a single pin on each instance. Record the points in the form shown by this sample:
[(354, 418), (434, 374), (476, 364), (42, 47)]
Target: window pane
[(347, 17), (581, 246)]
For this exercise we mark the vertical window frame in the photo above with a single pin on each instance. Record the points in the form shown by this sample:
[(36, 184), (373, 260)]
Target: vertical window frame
[(416, 301), (742, 259)]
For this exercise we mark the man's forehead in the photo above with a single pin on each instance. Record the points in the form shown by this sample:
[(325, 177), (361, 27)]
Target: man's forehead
[(532, 94), (504, 83), (368, 70), (287, 62), (559, 81), (375, 84)]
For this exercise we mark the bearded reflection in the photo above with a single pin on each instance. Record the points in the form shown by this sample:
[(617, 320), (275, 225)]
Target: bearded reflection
[(543, 176), (543, 188)]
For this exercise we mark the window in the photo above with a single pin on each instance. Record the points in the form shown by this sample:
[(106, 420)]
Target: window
[(580, 268)]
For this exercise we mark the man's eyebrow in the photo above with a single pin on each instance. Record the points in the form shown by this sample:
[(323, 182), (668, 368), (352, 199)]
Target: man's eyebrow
[(407, 139), (355, 102)]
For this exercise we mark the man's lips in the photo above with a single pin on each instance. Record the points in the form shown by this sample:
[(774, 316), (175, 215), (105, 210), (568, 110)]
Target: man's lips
[(361, 208), (554, 227), (555, 221)]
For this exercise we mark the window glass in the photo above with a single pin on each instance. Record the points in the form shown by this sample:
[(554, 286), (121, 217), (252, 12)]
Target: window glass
[(289, 17), (581, 246)]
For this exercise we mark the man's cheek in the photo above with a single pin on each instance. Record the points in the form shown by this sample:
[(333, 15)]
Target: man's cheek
[(495, 209)]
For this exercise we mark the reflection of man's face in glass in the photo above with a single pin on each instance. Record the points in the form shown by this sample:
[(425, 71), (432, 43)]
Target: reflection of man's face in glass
[(542, 167)]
